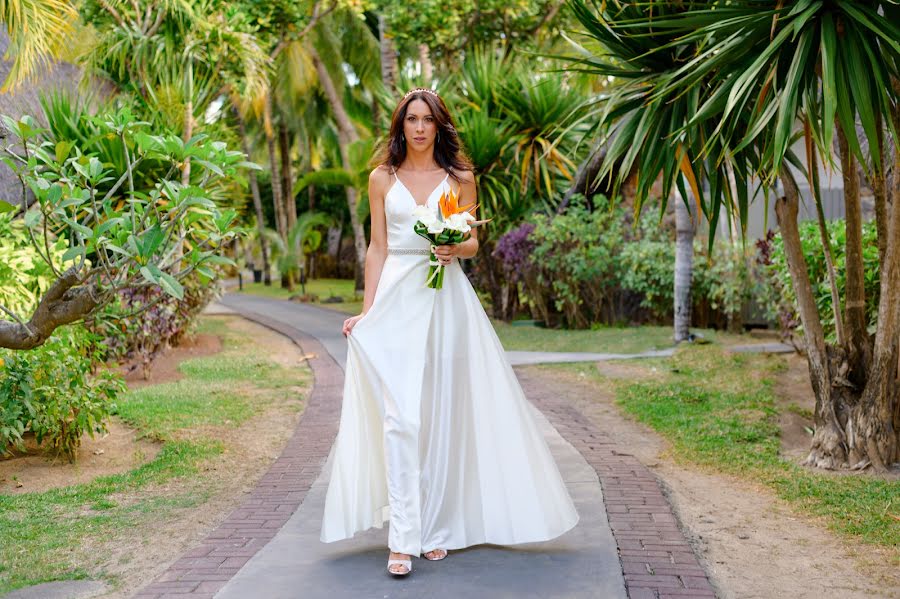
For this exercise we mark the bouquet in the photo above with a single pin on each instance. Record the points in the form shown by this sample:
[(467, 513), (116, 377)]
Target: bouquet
[(448, 225)]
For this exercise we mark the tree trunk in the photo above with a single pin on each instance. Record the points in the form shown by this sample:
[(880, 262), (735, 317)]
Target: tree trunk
[(813, 167), (829, 443), (66, 301), (277, 193), (287, 183), (287, 199), (879, 190), (257, 200), (684, 252), (346, 136), (389, 66), (280, 217), (876, 420), (858, 352), (427, 67)]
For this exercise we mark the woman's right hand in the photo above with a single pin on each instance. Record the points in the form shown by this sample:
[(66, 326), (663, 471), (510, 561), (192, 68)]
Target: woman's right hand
[(351, 322)]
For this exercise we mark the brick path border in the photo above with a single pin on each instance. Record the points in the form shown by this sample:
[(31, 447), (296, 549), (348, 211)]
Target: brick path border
[(202, 571), (657, 560)]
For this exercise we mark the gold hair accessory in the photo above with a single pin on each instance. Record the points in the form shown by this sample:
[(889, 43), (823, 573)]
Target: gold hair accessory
[(422, 89)]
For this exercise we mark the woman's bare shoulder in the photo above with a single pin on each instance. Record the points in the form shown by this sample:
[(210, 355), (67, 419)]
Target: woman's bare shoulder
[(380, 174)]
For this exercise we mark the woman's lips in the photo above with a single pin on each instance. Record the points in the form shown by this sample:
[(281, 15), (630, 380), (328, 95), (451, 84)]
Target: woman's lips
[(419, 139)]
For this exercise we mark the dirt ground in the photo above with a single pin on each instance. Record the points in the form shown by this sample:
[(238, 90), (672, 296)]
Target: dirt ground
[(753, 545), (118, 450)]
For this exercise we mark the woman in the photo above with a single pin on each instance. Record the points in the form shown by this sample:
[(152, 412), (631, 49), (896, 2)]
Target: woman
[(435, 434)]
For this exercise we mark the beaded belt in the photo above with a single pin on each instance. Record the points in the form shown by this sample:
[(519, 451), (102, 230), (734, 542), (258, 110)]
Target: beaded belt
[(409, 251)]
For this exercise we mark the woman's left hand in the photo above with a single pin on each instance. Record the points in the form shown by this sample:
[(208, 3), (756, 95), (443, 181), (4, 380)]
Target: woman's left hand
[(446, 253)]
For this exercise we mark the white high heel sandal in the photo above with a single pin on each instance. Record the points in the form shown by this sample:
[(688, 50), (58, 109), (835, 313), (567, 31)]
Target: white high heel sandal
[(406, 563), (441, 554)]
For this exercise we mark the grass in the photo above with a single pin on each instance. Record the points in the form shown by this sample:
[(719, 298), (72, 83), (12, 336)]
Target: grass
[(55, 535), (719, 410), (619, 340), (323, 288)]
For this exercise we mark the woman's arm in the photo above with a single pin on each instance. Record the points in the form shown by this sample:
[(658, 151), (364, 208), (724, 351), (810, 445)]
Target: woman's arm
[(377, 252)]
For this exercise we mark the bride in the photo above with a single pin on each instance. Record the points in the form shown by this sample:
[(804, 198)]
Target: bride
[(436, 436)]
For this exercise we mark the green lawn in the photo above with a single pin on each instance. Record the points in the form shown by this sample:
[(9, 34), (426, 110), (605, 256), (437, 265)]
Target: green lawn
[(718, 410), (323, 288), (618, 340), (60, 534)]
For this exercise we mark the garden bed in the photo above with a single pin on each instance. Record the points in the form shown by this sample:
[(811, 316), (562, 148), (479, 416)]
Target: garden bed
[(217, 422)]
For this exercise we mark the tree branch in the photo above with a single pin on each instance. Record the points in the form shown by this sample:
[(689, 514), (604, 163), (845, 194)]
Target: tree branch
[(64, 303)]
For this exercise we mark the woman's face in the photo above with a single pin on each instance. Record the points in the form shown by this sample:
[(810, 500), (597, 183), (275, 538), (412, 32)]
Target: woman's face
[(419, 126)]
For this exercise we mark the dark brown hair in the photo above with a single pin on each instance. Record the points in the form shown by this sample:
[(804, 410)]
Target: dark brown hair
[(447, 151)]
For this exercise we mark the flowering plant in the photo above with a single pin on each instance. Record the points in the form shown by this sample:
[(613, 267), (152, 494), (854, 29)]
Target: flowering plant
[(450, 224)]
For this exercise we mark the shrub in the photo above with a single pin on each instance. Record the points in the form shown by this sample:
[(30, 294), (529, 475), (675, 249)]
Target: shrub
[(576, 260), (585, 268), (24, 275), (648, 266), (140, 323), (778, 276), (53, 393)]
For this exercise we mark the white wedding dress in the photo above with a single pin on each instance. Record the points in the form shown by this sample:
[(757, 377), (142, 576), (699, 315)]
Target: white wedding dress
[(436, 436)]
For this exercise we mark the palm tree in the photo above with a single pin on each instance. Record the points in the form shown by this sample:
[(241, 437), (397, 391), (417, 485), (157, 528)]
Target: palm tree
[(771, 72), (37, 32), (357, 46), (644, 130)]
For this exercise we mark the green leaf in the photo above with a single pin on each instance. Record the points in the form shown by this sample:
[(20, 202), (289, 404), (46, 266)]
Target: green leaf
[(84, 231), (149, 276), (171, 286), (7, 207), (150, 241), (829, 64), (62, 150), (72, 253)]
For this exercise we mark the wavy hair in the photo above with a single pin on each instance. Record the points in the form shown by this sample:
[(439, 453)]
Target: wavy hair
[(448, 152)]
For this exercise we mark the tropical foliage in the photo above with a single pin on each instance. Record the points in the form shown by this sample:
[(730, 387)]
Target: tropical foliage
[(53, 394), (741, 81), (123, 236)]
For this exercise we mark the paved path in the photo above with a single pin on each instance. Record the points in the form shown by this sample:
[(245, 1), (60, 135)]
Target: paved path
[(269, 546)]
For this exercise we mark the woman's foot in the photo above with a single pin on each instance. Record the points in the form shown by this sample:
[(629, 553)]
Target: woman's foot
[(436, 555), (399, 564)]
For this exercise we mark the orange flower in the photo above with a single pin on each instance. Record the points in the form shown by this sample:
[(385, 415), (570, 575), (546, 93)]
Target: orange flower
[(449, 204)]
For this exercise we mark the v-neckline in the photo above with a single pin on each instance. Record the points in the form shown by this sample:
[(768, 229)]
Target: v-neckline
[(415, 201)]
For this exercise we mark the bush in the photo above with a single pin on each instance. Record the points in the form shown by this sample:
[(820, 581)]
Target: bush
[(576, 261), (24, 275), (778, 276), (141, 323), (584, 268), (52, 392), (648, 267)]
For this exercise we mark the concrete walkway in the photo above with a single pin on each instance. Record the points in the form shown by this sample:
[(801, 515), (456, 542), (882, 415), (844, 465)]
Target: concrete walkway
[(582, 563), (627, 542)]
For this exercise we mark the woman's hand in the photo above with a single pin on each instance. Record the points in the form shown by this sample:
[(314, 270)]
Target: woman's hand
[(446, 253), (350, 323)]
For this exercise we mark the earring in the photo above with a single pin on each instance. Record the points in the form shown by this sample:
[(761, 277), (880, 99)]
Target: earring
[(439, 136)]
